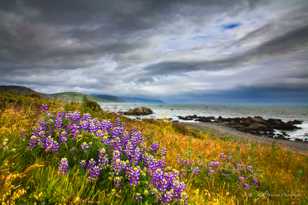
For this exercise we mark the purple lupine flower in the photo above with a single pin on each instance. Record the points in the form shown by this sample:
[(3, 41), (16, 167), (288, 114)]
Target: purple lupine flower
[(167, 197), (42, 126), (102, 157), (157, 179), (74, 130), (116, 162), (136, 137), (44, 107), (255, 181), (196, 171), (58, 120), (86, 116), (93, 169), (84, 146), (93, 126), (50, 144), (63, 166), (99, 133), (84, 124), (178, 188), (105, 125), (133, 175), (63, 137), (73, 116), (155, 164), (129, 149), (137, 155), (94, 172), (117, 131), (246, 186), (90, 163), (214, 164), (34, 140), (116, 143), (154, 147), (117, 122)]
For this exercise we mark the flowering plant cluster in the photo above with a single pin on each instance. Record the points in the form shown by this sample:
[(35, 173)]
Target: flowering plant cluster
[(108, 149), (223, 167)]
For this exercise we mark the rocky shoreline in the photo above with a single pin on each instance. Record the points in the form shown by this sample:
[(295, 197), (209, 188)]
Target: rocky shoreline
[(272, 127)]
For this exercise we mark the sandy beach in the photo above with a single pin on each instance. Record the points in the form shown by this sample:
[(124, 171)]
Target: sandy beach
[(222, 131)]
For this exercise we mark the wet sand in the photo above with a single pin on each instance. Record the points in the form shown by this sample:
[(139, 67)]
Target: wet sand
[(222, 131)]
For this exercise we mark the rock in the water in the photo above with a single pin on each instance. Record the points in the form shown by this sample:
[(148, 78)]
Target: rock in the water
[(139, 111)]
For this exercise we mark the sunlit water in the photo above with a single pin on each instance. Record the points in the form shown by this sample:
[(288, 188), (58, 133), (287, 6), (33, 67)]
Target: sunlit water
[(285, 113)]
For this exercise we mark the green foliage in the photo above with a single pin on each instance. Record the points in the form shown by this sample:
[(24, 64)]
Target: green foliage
[(89, 106)]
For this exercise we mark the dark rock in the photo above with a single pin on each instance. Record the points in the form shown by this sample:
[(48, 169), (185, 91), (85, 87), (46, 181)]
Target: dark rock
[(139, 111), (296, 122), (255, 125)]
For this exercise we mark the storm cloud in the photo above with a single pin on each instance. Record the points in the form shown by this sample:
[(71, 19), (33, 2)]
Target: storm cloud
[(155, 47)]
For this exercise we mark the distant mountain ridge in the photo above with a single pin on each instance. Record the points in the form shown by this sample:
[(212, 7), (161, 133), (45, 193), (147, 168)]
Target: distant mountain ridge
[(76, 96)]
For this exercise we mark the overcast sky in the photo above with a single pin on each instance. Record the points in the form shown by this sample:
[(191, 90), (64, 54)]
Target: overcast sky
[(158, 48)]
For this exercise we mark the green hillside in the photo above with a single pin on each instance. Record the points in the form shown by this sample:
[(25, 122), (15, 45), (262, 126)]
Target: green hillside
[(73, 96)]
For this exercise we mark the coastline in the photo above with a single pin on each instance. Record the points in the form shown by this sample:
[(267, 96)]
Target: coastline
[(223, 131)]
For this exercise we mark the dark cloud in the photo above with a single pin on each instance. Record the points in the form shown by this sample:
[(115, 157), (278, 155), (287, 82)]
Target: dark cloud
[(147, 47)]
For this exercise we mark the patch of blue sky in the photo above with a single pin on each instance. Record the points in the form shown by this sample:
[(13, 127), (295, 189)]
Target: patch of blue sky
[(231, 26)]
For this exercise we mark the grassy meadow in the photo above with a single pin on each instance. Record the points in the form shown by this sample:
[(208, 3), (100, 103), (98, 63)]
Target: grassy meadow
[(215, 170)]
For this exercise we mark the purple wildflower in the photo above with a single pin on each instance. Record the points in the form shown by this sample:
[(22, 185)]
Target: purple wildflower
[(73, 116), (84, 124), (154, 147), (44, 107), (50, 144), (63, 166), (63, 137), (246, 186), (255, 181), (86, 116), (74, 128), (102, 157), (214, 164), (34, 140), (58, 121), (117, 131), (94, 172), (167, 197), (196, 171), (133, 175), (92, 126)]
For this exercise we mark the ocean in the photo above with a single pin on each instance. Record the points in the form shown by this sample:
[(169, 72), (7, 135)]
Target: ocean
[(284, 112)]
